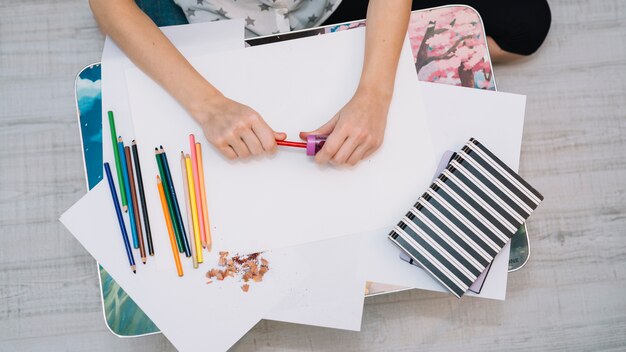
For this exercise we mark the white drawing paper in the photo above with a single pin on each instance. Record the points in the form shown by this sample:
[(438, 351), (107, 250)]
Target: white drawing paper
[(332, 295), (287, 199)]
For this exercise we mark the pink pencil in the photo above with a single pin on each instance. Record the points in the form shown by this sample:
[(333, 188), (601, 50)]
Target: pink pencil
[(198, 195)]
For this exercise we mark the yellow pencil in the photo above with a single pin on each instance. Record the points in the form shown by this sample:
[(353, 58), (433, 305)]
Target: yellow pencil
[(194, 208), (205, 212), (183, 167)]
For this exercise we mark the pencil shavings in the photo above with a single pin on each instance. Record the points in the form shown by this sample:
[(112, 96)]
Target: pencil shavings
[(246, 268)]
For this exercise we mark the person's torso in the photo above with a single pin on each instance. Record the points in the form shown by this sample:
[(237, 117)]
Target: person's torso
[(262, 17)]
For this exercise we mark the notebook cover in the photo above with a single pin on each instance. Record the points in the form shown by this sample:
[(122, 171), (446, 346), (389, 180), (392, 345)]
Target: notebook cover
[(477, 286), (466, 216)]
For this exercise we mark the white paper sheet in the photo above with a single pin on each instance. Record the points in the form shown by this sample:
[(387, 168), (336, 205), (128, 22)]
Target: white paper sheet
[(288, 200), (194, 316), (454, 115), (332, 296)]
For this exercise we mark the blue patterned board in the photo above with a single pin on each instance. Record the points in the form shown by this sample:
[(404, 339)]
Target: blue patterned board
[(122, 315)]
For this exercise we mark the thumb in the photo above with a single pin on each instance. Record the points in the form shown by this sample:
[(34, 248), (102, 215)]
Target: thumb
[(280, 136), (326, 129)]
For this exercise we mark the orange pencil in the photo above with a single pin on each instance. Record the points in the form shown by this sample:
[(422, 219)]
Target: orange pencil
[(170, 229), (205, 212), (194, 165)]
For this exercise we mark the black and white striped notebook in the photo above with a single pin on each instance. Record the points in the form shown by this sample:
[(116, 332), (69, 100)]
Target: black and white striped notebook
[(457, 227)]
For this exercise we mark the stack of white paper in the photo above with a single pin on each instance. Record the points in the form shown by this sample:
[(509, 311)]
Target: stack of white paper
[(323, 229)]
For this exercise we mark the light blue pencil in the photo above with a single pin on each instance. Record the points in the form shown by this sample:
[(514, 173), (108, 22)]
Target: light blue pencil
[(131, 214)]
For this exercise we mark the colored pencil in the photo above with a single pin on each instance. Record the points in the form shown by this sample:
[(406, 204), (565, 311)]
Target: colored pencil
[(292, 144), (177, 213), (193, 206), (205, 211), (133, 198), (120, 218), (196, 179), (170, 208), (190, 224), (118, 165), (131, 214), (170, 231), (142, 197)]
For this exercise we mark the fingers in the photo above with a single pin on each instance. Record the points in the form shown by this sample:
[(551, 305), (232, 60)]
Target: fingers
[(326, 129), (347, 146), (345, 151), (280, 136), (331, 147), (265, 135), (370, 152), (252, 142), (228, 152), (239, 147), (357, 155)]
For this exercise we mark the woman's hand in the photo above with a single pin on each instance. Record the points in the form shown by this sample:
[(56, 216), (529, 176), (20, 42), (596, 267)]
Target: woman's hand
[(236, 130), (356, 131)]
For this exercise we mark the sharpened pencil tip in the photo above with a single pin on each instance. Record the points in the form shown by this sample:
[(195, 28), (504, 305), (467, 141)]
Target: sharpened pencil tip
[(132, 267), (134, 271), (143, 260), (125, 207)]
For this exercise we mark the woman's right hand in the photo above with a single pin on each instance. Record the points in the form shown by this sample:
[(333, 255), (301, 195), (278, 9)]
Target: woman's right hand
[(236, 130)]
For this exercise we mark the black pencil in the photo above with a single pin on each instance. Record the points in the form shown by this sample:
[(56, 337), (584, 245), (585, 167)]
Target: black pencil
[(142, 197)]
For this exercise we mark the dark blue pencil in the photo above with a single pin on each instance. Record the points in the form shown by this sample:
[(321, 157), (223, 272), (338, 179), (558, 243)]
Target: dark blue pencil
[(120, 219), (179, 218)]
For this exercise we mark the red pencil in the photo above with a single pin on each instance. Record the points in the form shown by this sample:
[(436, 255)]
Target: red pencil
[(292, 144)]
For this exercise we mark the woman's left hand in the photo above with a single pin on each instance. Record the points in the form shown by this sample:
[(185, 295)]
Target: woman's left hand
[(356, 131)]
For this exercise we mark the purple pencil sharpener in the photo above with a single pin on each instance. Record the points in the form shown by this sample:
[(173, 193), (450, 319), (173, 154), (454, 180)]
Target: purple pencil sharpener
[(314, 143)]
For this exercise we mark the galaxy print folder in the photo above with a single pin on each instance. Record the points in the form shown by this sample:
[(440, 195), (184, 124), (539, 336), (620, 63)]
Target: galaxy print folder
[(471, 210)]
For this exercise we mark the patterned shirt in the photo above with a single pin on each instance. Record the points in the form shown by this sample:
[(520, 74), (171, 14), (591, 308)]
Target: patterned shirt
[(263, 17)]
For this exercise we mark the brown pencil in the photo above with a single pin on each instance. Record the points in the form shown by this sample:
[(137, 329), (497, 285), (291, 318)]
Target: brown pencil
[(133, 196)]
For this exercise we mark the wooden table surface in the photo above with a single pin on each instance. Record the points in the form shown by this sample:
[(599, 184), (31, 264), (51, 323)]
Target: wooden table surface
[(569, 297)]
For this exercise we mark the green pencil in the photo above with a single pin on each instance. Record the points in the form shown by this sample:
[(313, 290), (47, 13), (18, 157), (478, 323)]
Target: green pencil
[(118, 166), (170, 204)]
